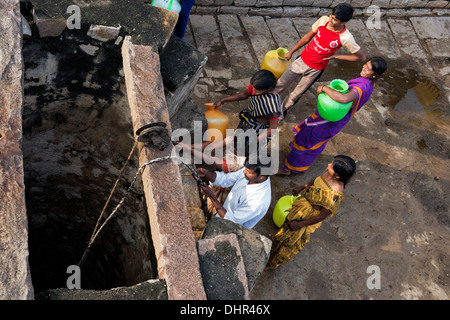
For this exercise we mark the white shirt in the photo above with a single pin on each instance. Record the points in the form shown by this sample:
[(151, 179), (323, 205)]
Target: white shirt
[(246, 204)]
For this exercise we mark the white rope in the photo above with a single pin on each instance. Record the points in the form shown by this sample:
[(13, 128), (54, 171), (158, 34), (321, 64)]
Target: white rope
[(126, 194)]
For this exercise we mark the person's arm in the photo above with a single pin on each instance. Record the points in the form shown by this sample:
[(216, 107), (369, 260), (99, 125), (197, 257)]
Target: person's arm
[(299, 189), (273, 124), (338, 96), (205, 173), (221, 211), (358, 56), (302, 42), (198, 155), (236, 97), (295, 225)]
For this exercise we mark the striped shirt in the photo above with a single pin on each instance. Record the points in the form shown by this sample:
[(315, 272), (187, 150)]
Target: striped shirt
[(264, 105)]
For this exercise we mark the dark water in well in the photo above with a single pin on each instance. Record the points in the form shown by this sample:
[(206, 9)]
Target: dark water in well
[(77, 135)]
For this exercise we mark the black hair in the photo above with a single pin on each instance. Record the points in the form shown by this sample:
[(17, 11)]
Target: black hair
[(379, 65), (343, 12), (263, 80), (256, 165), (344, 167)]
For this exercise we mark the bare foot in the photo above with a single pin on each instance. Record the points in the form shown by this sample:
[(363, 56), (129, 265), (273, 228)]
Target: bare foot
[(284, 172), (268, 268)]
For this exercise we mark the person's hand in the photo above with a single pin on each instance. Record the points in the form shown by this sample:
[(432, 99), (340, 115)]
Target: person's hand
[(288, 55), (202, 172), (320, 89), (218, 103), (295, 225), (207, 191), (296, 191)]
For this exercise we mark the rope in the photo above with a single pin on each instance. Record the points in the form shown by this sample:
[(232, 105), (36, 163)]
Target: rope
[(139, 171), (113, 189)]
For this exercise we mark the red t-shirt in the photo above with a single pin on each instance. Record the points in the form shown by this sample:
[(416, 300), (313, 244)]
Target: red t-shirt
[(325, 43)]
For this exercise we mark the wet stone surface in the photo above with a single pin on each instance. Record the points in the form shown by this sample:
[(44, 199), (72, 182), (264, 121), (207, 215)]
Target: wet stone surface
[(395, 209)]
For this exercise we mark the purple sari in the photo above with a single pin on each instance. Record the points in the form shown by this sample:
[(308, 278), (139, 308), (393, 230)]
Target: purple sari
[(312, 135)]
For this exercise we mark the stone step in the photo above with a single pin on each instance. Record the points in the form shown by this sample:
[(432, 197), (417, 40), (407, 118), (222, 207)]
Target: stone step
[(242, 63), (260, 36), (207, 38), (254, 247), (245, 36), (406, 38)]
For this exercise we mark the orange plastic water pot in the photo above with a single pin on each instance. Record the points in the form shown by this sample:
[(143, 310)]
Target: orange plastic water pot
[(217, 120)]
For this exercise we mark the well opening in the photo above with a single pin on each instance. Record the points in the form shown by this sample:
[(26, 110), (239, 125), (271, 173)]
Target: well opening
[(77, 135)]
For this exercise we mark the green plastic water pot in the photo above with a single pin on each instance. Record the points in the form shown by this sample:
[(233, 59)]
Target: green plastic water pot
[(281, 209), (328, 108)]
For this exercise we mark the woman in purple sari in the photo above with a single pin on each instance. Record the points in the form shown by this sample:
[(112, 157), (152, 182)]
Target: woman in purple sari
[(312, 135)]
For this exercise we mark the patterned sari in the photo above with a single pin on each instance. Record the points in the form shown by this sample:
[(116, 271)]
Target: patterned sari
[(312, 135), (287, 243)]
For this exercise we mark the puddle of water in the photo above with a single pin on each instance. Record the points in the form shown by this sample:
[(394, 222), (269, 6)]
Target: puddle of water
[(421, 99), (406, 91)]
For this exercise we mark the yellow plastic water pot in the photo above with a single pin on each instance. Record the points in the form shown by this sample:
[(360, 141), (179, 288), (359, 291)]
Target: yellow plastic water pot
[(216, 120), (281, 209), (330, 109), (276, 62)]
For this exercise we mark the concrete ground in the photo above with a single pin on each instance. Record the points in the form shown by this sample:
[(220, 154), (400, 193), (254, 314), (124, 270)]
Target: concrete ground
[(395, 213)]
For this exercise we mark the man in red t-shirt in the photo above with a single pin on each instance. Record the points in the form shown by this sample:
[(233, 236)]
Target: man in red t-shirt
[(328, 34)]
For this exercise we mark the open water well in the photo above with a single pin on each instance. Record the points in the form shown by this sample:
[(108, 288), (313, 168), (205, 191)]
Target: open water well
[(77, 136)]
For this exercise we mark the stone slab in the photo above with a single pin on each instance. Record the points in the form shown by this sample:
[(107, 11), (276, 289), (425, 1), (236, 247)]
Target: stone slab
[(303, 26), (439, 48), (207, 38), (103, 33), (432, 27), (284, 32), (49, 27), (384, 41), (181, 67), (146, 24), (15, 280), (255, 247), (242, 64), (148, 290), (406, 38), (362, 37), (223, 268), (259, 35), (172, 235)]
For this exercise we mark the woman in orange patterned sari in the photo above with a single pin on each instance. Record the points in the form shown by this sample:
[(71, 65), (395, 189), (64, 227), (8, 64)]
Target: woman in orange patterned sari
[(320, 198)]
